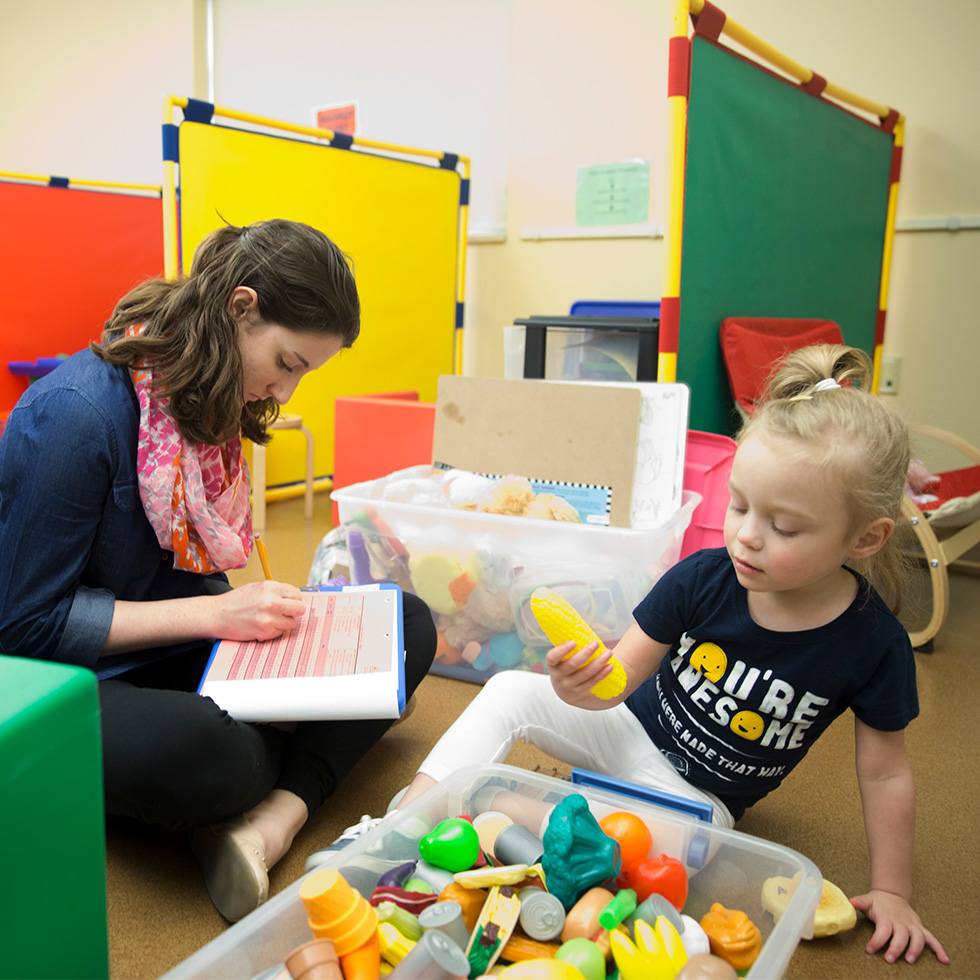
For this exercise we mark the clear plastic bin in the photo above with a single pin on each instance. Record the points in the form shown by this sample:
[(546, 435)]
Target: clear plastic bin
[(733, 873), (605, 570)]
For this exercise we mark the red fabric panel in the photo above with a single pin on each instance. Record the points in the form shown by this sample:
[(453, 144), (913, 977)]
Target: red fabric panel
[(880, 328), (954, 483), (752, 346), (710, 22), (679, 67), (670, 318), (66, 257), (896, 170), (888, 123), (816, 85)]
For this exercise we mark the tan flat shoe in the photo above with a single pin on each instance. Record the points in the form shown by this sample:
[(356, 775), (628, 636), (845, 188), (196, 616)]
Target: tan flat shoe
[(232, 857)]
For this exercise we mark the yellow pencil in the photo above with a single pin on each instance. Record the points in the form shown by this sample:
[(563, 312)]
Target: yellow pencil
[(263, 555)]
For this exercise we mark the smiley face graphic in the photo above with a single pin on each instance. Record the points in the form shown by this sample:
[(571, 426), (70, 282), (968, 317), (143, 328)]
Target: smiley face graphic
[(710, 660), (748, 725)]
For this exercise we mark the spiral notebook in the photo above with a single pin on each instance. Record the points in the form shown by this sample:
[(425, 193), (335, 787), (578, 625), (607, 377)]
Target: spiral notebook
[(344, 660)]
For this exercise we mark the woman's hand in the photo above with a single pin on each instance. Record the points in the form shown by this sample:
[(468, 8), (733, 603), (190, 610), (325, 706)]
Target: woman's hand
[(573, 678), (258, 611), (898, 926)]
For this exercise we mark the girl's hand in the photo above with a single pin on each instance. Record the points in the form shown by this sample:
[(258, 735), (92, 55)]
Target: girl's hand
[(258, 611), (573, 678), (898, 926)]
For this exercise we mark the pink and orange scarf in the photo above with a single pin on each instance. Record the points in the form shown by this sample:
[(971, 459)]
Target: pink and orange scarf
[(196, 497)]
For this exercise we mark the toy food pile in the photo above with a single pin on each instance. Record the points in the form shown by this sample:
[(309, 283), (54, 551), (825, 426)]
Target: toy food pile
[(512, 496), (488, 897), (468, 590)]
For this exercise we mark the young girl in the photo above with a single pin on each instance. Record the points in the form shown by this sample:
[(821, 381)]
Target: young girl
[(740, 657), (124, 498)]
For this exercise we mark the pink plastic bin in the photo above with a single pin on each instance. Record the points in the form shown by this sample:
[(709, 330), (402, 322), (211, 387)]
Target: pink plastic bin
[(707, 465)]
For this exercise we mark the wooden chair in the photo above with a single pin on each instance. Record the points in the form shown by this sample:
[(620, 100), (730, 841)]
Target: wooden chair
[(945, 527), (258, 469)]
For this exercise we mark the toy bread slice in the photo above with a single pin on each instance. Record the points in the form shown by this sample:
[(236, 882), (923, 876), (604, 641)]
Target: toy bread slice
[(833, 914), (560, 622)]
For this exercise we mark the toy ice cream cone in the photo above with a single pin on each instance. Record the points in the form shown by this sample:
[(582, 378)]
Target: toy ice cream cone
[(316, 960), (340, 913), (364, 962)]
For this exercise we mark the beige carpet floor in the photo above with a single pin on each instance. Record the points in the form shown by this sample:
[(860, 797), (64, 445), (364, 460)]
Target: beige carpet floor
[(160, 913)]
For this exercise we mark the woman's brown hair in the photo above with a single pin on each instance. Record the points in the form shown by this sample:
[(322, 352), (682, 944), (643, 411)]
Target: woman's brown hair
[(303, 282)]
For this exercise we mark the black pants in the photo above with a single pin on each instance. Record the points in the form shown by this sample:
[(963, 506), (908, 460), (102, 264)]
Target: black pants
[(176, 759)]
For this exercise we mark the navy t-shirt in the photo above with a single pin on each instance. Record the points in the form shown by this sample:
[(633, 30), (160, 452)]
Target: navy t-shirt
[(734, 706)]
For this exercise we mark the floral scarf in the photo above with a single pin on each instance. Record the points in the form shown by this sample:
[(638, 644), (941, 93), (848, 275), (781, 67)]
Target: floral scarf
[(195, 496)]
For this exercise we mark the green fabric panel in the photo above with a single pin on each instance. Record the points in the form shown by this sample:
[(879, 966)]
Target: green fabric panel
[(785, 206)]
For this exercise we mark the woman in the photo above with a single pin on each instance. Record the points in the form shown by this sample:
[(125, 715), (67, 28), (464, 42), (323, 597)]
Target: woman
[(123, 501)]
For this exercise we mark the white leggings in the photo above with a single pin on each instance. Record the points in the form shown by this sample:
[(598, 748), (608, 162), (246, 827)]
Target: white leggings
[(515, 705)]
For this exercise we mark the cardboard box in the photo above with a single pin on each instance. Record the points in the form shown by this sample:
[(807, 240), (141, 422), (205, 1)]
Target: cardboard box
[(733, 871)]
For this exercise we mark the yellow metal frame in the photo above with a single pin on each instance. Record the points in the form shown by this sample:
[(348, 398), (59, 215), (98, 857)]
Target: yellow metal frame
[(100, 184), (171, 250), (681, 12), (674, 221), (886, 258)]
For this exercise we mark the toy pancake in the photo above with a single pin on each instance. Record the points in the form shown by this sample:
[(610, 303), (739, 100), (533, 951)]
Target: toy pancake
[(834, 913)]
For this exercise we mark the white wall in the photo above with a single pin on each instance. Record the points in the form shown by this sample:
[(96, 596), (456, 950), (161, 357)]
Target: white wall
[(531, 89), (588, 84), (83, 85), (426, 73)]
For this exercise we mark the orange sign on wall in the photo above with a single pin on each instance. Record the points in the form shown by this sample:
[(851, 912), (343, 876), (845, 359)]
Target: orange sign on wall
[(338, 118)]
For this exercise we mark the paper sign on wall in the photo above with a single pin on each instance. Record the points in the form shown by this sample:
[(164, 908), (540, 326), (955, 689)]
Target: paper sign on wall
[(613, 194), (338, 118)]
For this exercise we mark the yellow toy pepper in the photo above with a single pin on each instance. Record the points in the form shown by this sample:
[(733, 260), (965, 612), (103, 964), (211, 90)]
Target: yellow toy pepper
[(733, 936)]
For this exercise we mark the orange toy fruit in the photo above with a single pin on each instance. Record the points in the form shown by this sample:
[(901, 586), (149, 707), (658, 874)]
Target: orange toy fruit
[(633, 835)]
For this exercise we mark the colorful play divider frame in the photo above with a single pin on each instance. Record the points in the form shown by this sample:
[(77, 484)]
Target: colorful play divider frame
[(69, 250), (801, 226), (399, 212)]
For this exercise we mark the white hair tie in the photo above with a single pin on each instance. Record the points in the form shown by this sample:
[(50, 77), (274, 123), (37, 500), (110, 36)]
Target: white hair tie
[(826, 385)]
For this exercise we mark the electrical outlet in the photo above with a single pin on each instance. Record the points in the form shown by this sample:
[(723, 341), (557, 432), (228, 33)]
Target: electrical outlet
[(891, 374)]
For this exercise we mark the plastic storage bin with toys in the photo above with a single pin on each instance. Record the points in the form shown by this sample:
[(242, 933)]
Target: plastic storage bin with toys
[(512, 871), (476, 571)]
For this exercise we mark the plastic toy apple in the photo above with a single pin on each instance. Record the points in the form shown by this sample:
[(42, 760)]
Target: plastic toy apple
[(664, 875)]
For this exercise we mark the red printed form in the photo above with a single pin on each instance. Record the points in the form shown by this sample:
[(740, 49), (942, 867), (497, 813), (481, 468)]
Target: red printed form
[(326, 642)]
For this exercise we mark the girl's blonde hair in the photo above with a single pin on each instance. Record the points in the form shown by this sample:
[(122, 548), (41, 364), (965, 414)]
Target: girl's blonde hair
[(303, 282), (849, 432)]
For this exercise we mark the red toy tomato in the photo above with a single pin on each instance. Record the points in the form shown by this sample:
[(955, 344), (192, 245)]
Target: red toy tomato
[(664, 875), (632, 834)]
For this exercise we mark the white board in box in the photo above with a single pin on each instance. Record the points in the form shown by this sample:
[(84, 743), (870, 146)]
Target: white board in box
[(661, 440)]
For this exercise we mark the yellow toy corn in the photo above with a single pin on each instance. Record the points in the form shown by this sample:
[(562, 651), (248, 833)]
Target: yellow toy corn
[(561, 622)]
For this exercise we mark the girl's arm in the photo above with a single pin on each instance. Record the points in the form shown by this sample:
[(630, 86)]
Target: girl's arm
[(257, 611), (572, 679), (888, 800)]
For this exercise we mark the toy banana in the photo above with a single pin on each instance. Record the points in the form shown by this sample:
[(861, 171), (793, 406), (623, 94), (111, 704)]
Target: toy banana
[(494, 927), (561, 622), (657, 952)]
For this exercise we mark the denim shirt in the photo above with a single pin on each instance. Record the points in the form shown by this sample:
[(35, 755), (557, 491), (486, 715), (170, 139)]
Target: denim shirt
[(73, 533)]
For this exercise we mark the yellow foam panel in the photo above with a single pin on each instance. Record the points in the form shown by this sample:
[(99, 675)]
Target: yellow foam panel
[(397, 220)]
